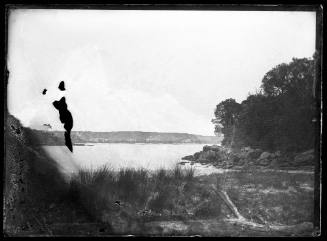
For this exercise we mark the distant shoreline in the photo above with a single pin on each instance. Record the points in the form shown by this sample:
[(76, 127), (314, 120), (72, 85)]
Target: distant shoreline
[(128, 137), (147, 143)]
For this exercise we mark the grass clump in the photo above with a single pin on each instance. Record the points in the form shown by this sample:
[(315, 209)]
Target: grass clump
[(104, 191)]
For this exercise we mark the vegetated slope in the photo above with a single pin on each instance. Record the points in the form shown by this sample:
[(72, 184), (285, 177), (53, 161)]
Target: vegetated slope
[(35, 192), (56, 137)]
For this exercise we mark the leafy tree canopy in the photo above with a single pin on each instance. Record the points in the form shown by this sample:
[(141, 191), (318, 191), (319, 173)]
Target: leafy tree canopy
[(279, 116)]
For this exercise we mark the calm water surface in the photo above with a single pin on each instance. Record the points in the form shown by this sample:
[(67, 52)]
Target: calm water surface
[(118, 155)]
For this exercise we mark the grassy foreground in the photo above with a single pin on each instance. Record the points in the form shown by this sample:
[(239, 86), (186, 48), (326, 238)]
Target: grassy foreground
[(164, 194), (269, 197), (129, 199)]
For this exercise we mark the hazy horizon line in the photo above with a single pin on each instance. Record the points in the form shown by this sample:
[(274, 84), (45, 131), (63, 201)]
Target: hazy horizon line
[(50, 130)]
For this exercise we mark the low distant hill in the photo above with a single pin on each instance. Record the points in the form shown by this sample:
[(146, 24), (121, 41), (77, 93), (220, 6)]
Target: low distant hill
[(57, 137)]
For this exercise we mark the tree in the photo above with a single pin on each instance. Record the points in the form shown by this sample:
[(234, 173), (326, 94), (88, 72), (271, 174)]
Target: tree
[(256, 120), (292, 86), (226, 114), (279, 117), (295, 78)]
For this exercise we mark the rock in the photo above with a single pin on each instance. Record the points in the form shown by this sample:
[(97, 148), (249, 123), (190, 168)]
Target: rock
[(202, 161), (182, 163), (229, 165), (209, 155), (206, 148), (311, 151), (196, 155), (277, 154), (234, 159), (264, 159), (249, 153), (215, 148), (254, 154), (246, 149), (305, 158), (265, 155), (189, 158), (264, 162)]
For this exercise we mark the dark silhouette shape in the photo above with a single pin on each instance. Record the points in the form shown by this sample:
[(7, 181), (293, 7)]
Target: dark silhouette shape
[(62, 86), (44, 91), (48, 125), (66, 118), (117, 202)]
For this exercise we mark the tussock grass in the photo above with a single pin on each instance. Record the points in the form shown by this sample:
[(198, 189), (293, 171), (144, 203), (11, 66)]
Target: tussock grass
[(141, 195), (137, 190)]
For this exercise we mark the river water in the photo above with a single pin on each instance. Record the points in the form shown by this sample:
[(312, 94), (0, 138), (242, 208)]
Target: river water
[(121, 155)]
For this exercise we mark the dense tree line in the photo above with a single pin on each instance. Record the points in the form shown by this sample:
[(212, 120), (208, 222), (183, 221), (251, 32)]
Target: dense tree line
[(279, 116)]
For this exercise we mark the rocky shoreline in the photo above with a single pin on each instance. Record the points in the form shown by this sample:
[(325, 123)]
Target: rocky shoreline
[(247, 157)]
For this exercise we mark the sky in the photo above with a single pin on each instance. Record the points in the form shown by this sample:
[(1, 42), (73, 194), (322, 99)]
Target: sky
[(134, 70)]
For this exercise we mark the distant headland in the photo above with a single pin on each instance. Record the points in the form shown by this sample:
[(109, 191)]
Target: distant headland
[(56, 137)]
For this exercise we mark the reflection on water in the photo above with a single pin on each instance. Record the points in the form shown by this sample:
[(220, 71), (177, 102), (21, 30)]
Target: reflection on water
[(121, 155)]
